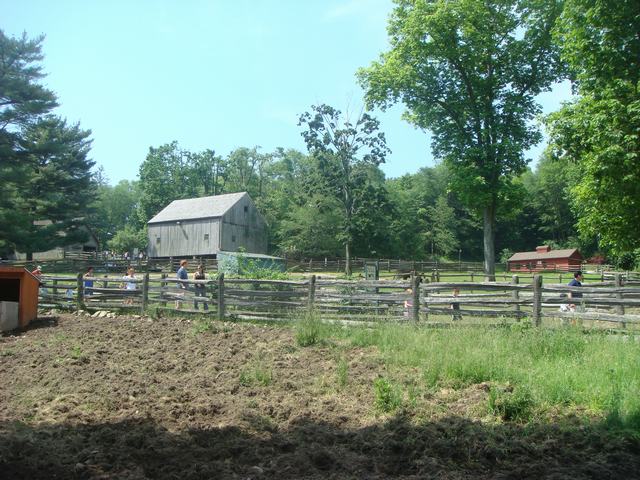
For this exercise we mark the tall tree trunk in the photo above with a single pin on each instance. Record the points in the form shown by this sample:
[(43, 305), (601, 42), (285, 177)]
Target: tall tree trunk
[(489, 217), (347, 254), (29, 256)]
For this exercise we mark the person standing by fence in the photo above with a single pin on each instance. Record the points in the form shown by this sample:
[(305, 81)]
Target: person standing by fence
[(129, 286), (577, 280), (455, 306), (201, 290), (182, 274), (88, 281)]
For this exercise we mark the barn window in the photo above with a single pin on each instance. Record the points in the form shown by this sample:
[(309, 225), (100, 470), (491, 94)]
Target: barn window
[(157, 239), (246, 209), (206, 237), (233, 238)]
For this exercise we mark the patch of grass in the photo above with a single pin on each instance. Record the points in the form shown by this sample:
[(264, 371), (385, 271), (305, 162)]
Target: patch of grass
[(257, 373), (342, 372), (388, 397), (7, 353), (76, 352), (511, 404), (202, 325), (59, 338), (564, 368), (311, 331)]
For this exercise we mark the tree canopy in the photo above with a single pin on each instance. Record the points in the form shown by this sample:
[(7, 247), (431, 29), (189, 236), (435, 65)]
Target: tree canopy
[(45, 171), (469, 71), (598, 132), (345, 148)]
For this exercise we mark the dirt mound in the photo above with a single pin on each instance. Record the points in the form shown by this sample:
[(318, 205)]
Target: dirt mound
[(129, 398)]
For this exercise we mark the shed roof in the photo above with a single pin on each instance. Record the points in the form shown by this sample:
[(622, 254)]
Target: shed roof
[(551, 255), (194, 208)]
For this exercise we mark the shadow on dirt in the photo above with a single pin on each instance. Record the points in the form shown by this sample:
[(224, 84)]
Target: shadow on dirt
[(39, 323), (452, 448)]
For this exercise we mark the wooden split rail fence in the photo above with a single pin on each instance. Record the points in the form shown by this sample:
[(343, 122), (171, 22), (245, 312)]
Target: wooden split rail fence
[(408, 300)]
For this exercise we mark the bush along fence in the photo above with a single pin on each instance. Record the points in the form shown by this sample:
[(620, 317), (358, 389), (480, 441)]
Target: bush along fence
[(416, 299)]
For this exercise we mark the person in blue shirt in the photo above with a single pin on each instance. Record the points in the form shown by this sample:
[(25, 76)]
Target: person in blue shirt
[(88, 281), (182, 274), (577, 280)]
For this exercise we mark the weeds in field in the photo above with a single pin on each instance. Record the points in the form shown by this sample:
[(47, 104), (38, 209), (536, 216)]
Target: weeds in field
[(388, 397), (342, 372), (511, 404), (309, 331), (257, 373), (76, 352), (202, 325)]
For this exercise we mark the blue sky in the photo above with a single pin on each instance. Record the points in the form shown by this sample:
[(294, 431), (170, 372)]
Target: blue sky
[(214, 74)]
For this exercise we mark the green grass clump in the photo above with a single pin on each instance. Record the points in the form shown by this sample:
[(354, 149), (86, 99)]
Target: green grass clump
[(310, 331), (388, 397), (511, 404), (202, 325), (342, 372), (256, 373)]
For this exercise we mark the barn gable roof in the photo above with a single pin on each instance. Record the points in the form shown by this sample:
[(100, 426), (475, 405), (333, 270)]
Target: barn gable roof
[(550, 255), (195, 208)]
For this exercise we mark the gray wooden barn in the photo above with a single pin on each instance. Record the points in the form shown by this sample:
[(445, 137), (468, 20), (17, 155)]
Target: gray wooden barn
[(207, 225)]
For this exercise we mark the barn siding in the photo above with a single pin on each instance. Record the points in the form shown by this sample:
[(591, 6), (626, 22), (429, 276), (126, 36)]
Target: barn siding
[(248, 228), (186, 239)]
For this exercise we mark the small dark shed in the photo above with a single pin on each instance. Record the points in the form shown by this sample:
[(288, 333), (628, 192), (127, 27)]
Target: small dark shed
[(17, 285)]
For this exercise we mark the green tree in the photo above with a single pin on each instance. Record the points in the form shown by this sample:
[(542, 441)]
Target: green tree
[(247, 171), (22, 101), (114, 208), (165, 175), (548, 192), (312, 228), (442, 227), (598, 132), (344, 149), (55, 186), (128, 239), (469, 71)]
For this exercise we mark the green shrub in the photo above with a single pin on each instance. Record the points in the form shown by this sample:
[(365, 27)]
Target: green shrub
[(511, 404), (308, 331), (342, 372), (388, 396), (258, 374), (202, 325)]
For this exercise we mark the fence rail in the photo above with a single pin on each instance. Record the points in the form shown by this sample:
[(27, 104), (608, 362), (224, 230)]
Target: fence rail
[(614, 301), (394, 268)]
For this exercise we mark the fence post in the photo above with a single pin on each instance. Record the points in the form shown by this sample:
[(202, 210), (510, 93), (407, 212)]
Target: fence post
[(312, 293), (415, 308), (618, 280), (536, 318), (516, 295), (163, 284), (145, 293), (80, 293), (221, 309)]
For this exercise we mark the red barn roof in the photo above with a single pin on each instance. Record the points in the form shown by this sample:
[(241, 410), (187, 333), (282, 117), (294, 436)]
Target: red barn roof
[(545, 253)]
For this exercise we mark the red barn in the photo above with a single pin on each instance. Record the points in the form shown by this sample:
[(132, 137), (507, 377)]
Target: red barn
[(545, 259)]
